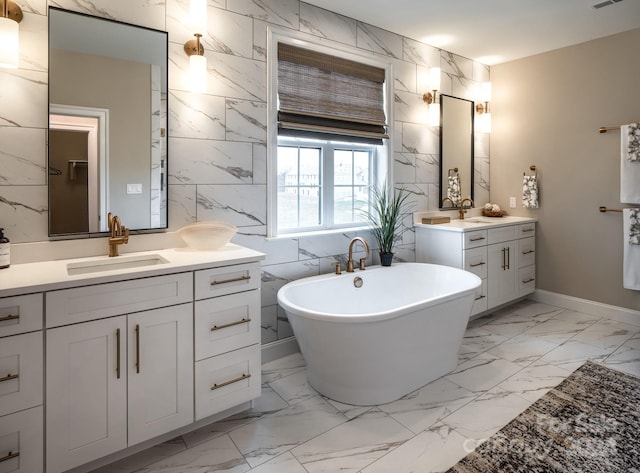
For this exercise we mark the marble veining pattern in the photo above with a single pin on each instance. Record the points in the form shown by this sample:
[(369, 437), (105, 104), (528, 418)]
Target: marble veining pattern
[(291, 428)]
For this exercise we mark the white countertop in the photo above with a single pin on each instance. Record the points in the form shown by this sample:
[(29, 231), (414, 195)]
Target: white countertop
[(476, 223), (51, 275)]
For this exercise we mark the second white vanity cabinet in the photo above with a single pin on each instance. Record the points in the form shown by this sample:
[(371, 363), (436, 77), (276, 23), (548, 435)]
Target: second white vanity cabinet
[(501, 252)]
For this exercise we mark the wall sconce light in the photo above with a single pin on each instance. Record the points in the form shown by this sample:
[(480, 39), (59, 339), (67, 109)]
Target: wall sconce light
[(197, 64), (10, 16), (194, 49), (431, 97), (483, 109)]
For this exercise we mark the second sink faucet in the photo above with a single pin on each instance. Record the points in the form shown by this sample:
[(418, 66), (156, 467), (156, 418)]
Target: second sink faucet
[(362, 260), (119, 234)]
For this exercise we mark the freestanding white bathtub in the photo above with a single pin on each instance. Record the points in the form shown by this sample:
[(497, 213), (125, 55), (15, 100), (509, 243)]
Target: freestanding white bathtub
[(373, 344)]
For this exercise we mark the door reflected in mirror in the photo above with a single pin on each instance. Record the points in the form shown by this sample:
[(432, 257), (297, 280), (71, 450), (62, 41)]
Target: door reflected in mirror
[(456, 148), (107, 124)]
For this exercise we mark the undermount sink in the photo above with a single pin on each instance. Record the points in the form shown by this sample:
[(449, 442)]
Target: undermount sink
[(476, 220), (112, 264)]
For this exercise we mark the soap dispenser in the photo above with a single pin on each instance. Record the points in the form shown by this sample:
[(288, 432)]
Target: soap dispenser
[(5, 259)]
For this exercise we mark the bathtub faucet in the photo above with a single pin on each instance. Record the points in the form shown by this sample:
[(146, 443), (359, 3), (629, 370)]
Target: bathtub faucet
[(362, 260)]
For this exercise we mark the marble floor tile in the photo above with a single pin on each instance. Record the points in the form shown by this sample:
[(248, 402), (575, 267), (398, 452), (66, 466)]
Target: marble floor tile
[(482, 372), (277, 433), (572, 354), (429, 404), (285, 463), (533, 382), (294, 388), (478, 340), (144, 458), (564, 326), (433, 450), (352, 445), (608, 334), (484, 416), (218, 454), (282, 367), (627, 357), (537, 311), (523, 349), (348, 410)]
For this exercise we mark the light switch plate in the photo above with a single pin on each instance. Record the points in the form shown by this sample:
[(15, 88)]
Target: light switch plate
[(134, 188), (512, 202)]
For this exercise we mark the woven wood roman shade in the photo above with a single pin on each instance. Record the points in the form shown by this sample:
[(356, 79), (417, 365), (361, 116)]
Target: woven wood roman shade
[(329, 97)]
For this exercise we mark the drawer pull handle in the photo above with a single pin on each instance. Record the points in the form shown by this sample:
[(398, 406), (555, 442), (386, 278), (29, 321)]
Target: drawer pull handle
[(137, 348), (227, 383), (476, 239), (9, 317), (528, 280), (477, 264), (480, 297), (239, 322), (528, 252), (118, 353), (10, 456), (9, 377), (527, 230), (225, 281)]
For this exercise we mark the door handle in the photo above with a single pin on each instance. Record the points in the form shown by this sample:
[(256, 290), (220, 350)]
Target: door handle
[(137, 348), (118, 353)]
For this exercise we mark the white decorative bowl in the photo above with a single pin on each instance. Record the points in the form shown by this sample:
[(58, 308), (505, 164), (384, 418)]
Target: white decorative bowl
[(207, 235)]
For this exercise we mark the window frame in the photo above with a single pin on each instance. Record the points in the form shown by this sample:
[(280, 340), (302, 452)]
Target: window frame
[(327, 181), (383, 162)]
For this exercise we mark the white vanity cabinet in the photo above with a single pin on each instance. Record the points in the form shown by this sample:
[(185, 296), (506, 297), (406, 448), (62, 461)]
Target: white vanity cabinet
[(21, 372), (118, 380), (501, 254)]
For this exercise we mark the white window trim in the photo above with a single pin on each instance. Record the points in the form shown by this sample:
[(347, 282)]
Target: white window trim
[(385, 157)]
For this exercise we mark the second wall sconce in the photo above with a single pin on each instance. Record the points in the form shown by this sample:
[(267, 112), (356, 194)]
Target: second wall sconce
[(431, 97), (10, 16), (483, 108), (194, 49)]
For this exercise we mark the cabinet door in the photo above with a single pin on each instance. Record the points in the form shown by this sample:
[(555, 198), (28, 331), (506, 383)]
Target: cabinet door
[(160, 371), (502, 281), (86, 392)]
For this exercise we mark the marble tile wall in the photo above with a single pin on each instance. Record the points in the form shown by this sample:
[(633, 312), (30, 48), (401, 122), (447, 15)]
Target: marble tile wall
[(217, 140)]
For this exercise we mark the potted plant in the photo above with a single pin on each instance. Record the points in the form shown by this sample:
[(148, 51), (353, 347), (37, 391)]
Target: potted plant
[(385, 217)]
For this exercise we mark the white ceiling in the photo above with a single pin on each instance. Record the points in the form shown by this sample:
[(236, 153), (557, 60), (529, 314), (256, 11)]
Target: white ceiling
[(494, 31)]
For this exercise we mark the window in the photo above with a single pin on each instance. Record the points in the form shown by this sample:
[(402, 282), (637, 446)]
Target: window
[(330, 145), (323, 184)]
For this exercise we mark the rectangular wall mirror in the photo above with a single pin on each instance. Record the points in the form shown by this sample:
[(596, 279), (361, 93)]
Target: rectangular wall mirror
[(107, 124), (456, 144)]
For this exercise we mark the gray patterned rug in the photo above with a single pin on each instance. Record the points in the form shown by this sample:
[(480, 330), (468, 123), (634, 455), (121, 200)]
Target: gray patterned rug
[(588, 423)]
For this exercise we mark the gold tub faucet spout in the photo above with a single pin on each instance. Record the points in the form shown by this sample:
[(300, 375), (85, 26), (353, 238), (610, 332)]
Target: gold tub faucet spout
[(119, 234), (362, 260)]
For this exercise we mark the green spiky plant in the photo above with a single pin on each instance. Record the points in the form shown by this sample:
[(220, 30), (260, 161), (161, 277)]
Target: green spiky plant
[(385, 216)]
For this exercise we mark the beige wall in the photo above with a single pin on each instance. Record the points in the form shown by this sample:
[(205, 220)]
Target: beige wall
[(546, 111)]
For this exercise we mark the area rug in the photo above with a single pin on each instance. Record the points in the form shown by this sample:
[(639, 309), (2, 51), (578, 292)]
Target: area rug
[(590, 422)]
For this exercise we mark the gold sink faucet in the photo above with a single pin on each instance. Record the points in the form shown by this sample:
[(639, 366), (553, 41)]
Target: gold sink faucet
[(119, 234), (362, 260), (462, 210)]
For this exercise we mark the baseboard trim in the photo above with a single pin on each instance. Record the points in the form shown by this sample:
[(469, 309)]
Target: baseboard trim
[(274, 350), (621, 314)]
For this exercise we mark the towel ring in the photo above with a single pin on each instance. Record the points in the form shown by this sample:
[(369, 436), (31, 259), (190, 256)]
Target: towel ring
[(453, 170), (533, 169)]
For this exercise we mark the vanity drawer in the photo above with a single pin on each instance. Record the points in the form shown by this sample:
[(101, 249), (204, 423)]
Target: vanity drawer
[(227, 280), (475, 239), (475, 261), (227, 380), (526, 252), (526, 280), (505, 233), (22, 442), (20, 314), (226, 323), (527, 230), (480, 302), (80, 304), (20, 372)]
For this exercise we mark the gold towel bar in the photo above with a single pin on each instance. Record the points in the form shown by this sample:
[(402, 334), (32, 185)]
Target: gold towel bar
[(604, 129)]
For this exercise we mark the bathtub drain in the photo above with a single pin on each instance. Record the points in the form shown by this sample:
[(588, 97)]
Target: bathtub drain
[(357, 281)]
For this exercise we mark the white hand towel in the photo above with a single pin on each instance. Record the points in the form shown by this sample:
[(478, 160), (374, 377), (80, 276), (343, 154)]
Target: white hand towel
[(629, 169), (631, 255)]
